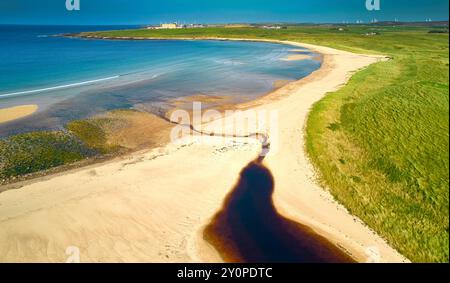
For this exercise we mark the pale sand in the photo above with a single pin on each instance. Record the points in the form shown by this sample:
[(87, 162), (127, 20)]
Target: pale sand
[(299, 51), (152, 206), (297, 57), (17, 112)]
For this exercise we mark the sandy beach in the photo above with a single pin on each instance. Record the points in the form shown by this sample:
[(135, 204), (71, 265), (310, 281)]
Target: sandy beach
[(153, 205), (296, 57), (17, 112)]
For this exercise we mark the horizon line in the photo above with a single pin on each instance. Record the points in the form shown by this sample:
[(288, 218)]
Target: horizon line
[(233, 23)]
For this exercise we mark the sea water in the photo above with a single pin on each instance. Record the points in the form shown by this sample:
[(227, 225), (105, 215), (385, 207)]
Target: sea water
[(71, 78)]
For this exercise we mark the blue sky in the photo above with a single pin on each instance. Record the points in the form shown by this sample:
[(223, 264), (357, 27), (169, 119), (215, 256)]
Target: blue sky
[(216, 11)]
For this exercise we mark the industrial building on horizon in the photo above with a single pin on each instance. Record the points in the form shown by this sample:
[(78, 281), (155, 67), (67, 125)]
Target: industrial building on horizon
[(176, 25)]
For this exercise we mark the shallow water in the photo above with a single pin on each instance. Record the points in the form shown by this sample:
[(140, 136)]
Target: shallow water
[(76, 78)]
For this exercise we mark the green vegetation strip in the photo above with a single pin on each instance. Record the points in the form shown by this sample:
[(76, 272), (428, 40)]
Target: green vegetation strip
[(381, 143), (91, 132), (32, 152), (38, 151)]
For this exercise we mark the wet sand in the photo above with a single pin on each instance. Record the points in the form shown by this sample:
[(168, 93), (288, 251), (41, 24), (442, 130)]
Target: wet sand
[(168, 204), (17, 112), (134, 130)]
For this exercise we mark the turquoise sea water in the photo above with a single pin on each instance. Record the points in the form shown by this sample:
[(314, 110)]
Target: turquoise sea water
[(76, 78)]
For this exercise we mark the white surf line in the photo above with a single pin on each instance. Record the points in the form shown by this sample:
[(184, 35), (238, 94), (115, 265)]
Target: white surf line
[(57, 87)]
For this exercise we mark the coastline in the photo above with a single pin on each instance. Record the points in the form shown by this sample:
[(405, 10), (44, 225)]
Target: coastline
[(297, 196)]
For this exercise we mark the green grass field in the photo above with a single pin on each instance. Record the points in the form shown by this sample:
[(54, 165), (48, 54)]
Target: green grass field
[(381, 143)]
